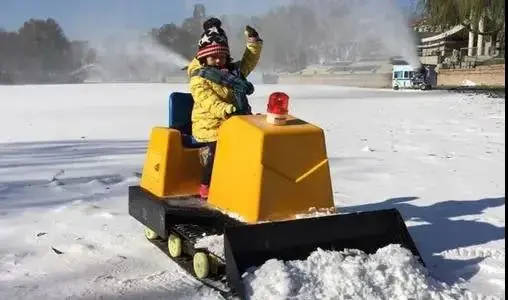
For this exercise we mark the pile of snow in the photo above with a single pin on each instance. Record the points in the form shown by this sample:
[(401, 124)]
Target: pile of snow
[(391, 273), (316, 212), (213, 243), (467, 82)]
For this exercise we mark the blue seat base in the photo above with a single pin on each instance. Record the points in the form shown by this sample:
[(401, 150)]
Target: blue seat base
[(180, 113)]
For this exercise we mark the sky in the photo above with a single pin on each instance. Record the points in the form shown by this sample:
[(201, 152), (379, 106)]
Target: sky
[(85, 19), (96, 18)]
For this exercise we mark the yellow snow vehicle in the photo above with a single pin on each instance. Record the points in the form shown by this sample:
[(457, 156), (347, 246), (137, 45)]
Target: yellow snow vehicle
[(267, 173)]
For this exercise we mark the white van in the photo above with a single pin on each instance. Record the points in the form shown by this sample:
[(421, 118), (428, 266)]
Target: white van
[(402, 75), (407, 77)]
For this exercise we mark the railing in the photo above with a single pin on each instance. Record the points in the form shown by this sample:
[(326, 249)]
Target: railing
[(467, 57), (473, 51), (465, 51)]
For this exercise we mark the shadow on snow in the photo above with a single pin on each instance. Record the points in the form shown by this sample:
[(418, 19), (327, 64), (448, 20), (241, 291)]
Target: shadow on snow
[(441, 231)]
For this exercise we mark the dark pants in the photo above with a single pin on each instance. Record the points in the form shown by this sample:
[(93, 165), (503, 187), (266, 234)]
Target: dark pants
[(208, 156)]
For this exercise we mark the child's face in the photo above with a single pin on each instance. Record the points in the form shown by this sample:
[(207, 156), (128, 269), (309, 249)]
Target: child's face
[(216, 60)]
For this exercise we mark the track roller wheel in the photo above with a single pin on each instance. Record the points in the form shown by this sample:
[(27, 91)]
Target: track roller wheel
[(174, 245), (150, 234), (201, 265)]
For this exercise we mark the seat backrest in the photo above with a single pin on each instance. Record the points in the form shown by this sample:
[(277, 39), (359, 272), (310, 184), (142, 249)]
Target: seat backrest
[(180, 111)]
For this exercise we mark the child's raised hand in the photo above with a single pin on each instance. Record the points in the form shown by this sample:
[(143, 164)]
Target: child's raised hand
[(251, 32)]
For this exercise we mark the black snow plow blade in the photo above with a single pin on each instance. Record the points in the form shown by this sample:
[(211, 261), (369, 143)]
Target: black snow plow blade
[(251, 245)]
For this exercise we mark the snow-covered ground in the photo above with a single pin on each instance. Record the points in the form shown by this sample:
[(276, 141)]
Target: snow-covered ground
[(69, 152)]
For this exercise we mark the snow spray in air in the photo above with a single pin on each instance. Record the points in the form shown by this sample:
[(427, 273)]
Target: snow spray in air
[(375, 26), (137, 58), (337, 30)]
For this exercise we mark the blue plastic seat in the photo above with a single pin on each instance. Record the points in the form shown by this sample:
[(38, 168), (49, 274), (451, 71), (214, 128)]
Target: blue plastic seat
[(180, 112)]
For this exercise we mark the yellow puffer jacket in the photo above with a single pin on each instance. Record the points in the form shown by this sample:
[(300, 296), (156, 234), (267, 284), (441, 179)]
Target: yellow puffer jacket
[(212, 101)]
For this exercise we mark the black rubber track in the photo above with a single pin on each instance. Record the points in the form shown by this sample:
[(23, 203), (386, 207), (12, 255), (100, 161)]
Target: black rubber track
[(216, 282)]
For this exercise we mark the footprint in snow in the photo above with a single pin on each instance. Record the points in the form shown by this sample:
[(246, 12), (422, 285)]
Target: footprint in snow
[(467, 253), (105, 277), (367, 149)]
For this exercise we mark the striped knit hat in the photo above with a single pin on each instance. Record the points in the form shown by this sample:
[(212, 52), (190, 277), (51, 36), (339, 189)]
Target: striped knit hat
[(213, 40)]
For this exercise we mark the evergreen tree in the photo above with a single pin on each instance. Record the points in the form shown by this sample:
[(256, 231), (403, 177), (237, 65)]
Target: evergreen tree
[(39, 51)]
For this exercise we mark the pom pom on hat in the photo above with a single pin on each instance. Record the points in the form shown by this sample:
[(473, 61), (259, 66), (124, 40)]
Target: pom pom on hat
[(212, 22)]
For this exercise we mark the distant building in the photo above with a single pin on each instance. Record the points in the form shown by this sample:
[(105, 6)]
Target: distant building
[(462, 57), (433, 49), (454, 47)]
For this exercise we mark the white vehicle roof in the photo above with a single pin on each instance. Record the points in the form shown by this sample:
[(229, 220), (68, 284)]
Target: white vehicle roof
[(402, 68)]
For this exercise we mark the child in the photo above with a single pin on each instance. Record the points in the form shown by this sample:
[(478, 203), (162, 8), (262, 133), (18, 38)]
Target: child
[(219, 88)]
